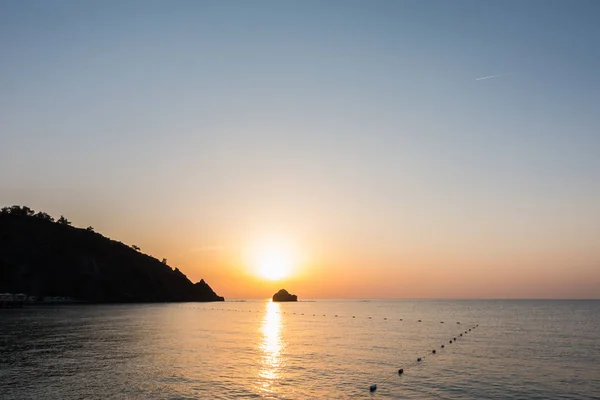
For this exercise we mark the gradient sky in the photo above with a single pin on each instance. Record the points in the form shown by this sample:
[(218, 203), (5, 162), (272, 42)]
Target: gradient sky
[(357, 132)]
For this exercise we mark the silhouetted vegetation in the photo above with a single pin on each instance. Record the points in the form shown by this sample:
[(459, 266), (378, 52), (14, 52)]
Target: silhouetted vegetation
[(17, 210), (45, 258), (44, 216), (63, 221)]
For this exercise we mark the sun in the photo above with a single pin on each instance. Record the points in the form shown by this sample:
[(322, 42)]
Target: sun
[(272, 260), (274, 265)]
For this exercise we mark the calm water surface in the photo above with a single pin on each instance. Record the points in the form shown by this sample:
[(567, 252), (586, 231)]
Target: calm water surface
[(264, 350)]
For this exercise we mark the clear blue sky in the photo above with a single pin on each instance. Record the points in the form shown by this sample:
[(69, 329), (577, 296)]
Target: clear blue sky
[(358, 128)]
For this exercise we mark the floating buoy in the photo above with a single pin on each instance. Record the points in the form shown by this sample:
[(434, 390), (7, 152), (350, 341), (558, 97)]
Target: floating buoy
[(372, 388), (400, 319), (441, 322), (370, 317), (336, 315), (353, 316), (469, 330), (461, 334), (450, 341), (419, 359), (419, 320), (385, 318), (458, 323), (400, 371), (455, 339), (433, 351), (442, 346)]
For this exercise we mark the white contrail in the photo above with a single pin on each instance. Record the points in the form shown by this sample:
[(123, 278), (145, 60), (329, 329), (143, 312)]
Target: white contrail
[(489, 77)]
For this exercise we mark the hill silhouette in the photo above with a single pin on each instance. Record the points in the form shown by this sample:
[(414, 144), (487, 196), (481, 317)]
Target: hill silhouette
[(44, 258)]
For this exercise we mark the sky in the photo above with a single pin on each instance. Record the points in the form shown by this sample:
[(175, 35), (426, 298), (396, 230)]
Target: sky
[(384, 149)]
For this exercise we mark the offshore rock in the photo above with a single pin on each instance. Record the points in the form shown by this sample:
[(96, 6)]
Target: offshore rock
[(283, 295)]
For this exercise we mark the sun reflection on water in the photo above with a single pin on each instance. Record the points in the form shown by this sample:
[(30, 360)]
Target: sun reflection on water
[(271, 346)]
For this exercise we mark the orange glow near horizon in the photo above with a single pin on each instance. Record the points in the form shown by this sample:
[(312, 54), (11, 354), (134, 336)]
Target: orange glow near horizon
[(410, 276), (334, 264)]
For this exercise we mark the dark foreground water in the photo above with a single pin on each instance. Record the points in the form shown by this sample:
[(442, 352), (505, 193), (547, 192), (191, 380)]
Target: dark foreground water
[(257, 349)]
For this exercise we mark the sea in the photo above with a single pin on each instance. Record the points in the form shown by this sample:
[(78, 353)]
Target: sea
[(321, 349)]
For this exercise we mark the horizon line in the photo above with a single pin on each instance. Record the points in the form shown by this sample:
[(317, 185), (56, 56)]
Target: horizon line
[(426, 298)]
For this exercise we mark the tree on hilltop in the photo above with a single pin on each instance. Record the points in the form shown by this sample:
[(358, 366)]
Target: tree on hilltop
[(24, 211), (63, 221), (43, 216), (17, 210)]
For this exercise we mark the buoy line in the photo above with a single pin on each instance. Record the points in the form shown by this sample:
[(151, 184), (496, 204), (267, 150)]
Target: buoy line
[(401, 371), (370, 317)]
